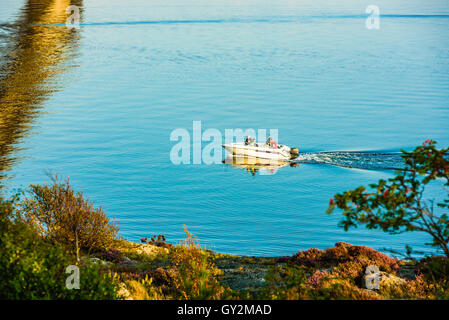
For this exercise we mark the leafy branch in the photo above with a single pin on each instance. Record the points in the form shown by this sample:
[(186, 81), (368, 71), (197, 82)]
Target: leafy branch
[(397, 205)]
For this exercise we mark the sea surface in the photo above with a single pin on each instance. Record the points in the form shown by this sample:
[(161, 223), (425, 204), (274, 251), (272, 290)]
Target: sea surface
[(98, 104)]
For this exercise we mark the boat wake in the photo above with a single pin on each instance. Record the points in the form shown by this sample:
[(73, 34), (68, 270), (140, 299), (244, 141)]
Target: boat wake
[(357, 160)]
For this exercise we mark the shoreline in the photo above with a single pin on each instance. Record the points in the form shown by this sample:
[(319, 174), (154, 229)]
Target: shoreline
[(344, 264)]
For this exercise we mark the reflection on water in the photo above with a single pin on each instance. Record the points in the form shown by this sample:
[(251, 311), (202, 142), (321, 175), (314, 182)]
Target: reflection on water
[(32, 57), (258, 165)]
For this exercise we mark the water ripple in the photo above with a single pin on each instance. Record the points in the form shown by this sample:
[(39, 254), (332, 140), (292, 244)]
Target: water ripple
[(236, 20)]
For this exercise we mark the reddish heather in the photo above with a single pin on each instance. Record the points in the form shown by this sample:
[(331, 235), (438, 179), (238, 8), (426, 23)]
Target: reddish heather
[(344, 253)]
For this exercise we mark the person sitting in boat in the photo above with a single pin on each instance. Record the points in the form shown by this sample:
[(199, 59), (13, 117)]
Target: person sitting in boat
[(272, 143), (250, 141)]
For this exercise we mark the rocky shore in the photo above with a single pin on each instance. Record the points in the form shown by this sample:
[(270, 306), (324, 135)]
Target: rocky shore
[(344, 271)]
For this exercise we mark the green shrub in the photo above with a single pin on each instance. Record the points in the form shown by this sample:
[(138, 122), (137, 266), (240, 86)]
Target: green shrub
[(434, 269), (33, 268), (66, 217)]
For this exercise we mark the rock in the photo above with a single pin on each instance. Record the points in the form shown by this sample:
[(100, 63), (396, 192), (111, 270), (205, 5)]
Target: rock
[(374, 279), (388, 279), (99, 261), (95, 260), (407, 271), (149, 249)]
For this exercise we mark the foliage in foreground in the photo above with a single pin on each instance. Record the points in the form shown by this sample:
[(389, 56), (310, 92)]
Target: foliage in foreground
[(66, 217), (34, 268), (397, 205), (337, 273), (193, 272), (190, 274)]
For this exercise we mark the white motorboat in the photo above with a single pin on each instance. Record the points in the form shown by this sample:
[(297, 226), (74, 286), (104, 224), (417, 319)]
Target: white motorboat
[(262, 151)]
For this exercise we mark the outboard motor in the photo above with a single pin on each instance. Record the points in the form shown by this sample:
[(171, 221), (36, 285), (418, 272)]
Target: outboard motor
[(294, 152)]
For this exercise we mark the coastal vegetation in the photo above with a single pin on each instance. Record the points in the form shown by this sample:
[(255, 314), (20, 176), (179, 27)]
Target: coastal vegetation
[(66, 217), (51, 227), (34, 267), (398, 204)]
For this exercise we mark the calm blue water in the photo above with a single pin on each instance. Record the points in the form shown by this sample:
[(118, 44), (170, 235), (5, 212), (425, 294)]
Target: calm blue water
[(136, 70)]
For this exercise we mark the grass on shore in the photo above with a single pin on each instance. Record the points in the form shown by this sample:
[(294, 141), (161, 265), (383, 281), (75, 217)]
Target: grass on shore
[(189, 272)]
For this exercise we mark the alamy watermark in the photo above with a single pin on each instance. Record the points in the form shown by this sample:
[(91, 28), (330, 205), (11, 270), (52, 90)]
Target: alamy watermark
[(372, 277), (205, 147), (73, 21), (73, 280), (373, 20)]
